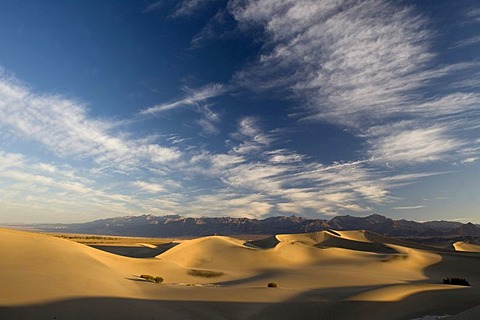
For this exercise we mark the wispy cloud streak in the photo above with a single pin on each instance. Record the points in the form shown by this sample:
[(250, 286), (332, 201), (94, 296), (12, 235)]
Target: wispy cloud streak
[(408, 208), (197, 98), (189, 7), (193, 97)]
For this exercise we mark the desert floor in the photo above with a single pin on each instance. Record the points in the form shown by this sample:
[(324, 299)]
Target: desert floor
[(323, 275)]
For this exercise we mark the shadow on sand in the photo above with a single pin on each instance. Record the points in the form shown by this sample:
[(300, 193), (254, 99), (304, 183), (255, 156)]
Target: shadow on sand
[(417, 305), (136, 251)]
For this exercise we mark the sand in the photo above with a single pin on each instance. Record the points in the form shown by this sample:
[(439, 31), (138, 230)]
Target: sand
[(322, 275), (469, 247)]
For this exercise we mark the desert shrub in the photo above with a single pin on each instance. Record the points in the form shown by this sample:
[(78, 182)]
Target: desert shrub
[(204, 273), (152, 278), (456, 281), (272, 285)]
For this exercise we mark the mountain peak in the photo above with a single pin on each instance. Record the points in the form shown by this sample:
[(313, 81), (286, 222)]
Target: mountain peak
[(468, 229), (377, 217)]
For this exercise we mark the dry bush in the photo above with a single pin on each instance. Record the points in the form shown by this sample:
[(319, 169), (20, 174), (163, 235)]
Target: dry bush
[(456, 281), (148, 277)]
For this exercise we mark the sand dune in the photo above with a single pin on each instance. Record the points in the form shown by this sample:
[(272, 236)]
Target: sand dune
[(470, 247), (36, 268), (317, 273)]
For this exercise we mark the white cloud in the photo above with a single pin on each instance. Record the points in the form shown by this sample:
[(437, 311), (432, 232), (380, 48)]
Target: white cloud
[(183, 8), (467, 42), (155, 6), (222, 161), (473, 15), (349, 56), (209, 120), (414, 146), (29, 185), (196, 98), (231, 204), (290, 182), (284, 156), (46, 167), (149, 187), (305, 188), (207, 126), (471, 153), (408, 208), (367, 66), (189, 7), (470, 160), (215, 28), (10, 160), (253, 138), (192, 98), (449, 104), (362, 64), (248, 126), (84, 167), (63, 126)]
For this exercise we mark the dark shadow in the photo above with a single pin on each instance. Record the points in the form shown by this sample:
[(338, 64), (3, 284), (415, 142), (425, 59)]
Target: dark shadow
[(375, 247), (119, 309), (265, 243), (333, 232), (456, 265), (375, 237), (418, 305), (138, 279), (136, 251), (334, 303), (266, 276)]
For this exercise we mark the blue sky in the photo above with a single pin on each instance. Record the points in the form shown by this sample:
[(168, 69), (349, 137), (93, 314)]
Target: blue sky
[(239, 108)]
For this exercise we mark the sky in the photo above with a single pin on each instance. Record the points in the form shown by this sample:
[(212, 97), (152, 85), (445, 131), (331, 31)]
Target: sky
[(239, 108)]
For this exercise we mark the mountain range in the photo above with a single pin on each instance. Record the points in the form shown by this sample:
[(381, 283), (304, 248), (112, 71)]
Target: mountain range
[(179, 226)]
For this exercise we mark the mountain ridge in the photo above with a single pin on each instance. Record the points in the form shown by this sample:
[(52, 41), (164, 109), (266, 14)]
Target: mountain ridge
[(180, 226)]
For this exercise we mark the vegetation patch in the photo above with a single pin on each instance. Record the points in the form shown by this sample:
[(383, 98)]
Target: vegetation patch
[(456, 281), (204, 273), (272, 285), (148, 277)]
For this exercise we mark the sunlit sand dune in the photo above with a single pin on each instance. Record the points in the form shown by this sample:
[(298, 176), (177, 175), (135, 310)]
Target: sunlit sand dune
[(338, 275), (470, 247), (36, 268)]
